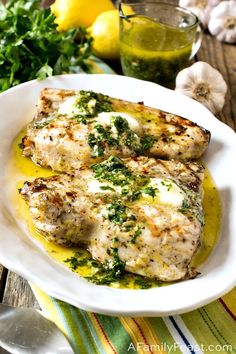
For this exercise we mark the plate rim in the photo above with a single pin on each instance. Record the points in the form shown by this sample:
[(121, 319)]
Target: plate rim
[(85, 306)]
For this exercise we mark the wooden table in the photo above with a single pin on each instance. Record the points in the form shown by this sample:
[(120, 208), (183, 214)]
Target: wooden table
[(14, 290)]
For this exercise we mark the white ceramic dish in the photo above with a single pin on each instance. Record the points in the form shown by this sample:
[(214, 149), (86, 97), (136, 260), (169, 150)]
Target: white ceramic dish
[(23, 255)]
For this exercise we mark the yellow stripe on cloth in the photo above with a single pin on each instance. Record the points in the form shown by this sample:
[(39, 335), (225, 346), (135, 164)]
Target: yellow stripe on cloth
[(142, 334), (230, 301), (210, 327), (48, 308), (106, 344), (67, 318)]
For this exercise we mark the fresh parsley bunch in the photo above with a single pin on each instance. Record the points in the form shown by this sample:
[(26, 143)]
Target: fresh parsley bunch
[(31, 47)]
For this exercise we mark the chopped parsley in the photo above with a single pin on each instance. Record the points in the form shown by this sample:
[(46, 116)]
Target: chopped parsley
[(147, 142), (136, 233), (106, 274), (102, 277), (75, 262), (43, 122), (96, 145), (104, 136), (146, 283), (133, 142), (192, 207), (139, 145), (111, 272), (120, 124), (21, 145), (90, 104), (112, 170), (150, 191), (184, 207), (167, 184), (81, 260), (97, 140), (130, 138), (105, 188), (116, 266), (120, 214)]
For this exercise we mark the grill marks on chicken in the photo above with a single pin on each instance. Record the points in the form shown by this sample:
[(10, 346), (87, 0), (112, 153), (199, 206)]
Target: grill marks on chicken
[(59, 209), (115, 197), (143, 211), (73, 129)]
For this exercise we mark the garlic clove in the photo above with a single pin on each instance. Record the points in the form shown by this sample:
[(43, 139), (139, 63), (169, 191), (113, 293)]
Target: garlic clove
[(203, 83), (213, 3), (218, 27), (201, 8), (222, 23)]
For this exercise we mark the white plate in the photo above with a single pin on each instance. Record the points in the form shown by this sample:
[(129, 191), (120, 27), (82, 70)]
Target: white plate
[(23, 255)]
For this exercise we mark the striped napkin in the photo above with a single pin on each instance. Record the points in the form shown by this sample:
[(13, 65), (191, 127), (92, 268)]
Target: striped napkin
[(210, 329)]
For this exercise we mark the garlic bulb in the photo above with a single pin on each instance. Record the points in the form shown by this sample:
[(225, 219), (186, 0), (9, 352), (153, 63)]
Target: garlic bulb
[(222, 23), (201, 8), (203, 83)]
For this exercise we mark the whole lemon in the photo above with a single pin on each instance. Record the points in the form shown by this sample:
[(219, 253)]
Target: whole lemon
[(105, 33), (76, 13)]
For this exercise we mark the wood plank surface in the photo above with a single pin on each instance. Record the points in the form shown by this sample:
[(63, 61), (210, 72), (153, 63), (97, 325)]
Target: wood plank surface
[(3, 279), (18, 292), (222, 57), (3, 351)]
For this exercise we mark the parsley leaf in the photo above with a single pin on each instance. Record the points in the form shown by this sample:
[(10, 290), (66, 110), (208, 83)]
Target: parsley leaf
[(184, 207), (31, 47), (119, 214)]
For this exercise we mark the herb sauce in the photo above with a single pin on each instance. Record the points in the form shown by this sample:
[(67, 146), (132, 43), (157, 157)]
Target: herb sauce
[(102, 136), (152, 51), (79, 260)]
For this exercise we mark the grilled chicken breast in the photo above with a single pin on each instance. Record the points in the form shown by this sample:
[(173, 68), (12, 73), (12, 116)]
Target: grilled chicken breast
[(142, 211), (73, 129)]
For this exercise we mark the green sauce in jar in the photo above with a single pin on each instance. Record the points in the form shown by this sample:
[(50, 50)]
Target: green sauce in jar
[(154, 52)]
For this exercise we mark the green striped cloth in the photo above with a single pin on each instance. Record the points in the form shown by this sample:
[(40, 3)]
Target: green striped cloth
[(210, 329)]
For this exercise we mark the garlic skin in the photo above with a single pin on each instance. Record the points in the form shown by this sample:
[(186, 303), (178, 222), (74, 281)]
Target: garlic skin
[(204, 84), (201, 8), (222, 23)]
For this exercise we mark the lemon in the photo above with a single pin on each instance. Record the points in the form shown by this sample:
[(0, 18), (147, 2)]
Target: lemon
[(105, 33), (76, 13)]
